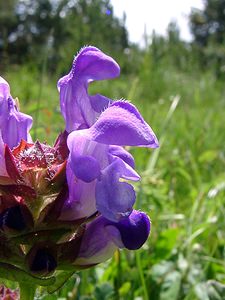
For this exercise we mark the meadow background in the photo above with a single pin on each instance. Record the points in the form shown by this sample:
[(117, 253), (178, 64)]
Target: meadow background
[(179, 88)]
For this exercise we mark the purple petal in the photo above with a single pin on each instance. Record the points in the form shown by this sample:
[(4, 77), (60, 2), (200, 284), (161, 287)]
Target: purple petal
[(97, 244), (86, 168), (81, 199), (124, 170), (99, 102), (102, 237), (114, 199), (78, 108), (121, 124), (3, 171), (134, 230), (93, 64), (14, 124), (86, 157), (4, 90), (123, 154)]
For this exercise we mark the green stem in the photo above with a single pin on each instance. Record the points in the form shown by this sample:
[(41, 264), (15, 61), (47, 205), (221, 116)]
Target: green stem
[(140, 270), (27, 291)]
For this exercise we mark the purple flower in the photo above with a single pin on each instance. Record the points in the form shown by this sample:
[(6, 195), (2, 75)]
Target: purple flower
[(72, 203), (103, 237), (97, 161), (14, 125)]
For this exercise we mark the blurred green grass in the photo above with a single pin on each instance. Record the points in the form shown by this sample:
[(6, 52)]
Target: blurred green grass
[(182, 186)]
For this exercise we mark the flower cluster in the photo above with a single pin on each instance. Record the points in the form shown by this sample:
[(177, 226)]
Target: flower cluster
[(71, 205)]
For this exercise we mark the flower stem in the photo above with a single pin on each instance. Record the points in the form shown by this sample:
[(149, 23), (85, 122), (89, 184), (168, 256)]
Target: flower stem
[(27, 291), (141, 273)]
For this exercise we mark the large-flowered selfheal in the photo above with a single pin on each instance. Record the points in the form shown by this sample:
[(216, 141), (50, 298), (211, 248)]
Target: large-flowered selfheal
[(102, 237), (78, 108), (70, 205), (98, 129), (98, 160)]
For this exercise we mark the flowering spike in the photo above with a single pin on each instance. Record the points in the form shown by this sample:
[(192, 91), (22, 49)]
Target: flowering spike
[(71, 205)]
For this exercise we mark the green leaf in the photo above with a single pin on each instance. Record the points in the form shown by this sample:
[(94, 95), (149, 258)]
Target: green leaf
[(208, 156), (171, 286), (61, 279), (161, 269), (27, 291), (125, 288), (104, 292), (201, 292), (15, 274), (166, 243), (210, 290)]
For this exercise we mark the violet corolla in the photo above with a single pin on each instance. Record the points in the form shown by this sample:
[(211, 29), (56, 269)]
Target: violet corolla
[(70, 206)]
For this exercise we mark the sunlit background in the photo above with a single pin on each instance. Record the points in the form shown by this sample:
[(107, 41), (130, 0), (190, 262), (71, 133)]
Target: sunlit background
[(149, 15), (172, 58)]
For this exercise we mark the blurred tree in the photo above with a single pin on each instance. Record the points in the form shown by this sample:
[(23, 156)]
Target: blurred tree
[(179, 52), (209, 24), (208, 28), (90, 22), (8, 23), (32, 29)]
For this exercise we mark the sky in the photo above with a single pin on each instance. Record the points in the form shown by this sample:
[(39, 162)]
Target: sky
[(155, 14)]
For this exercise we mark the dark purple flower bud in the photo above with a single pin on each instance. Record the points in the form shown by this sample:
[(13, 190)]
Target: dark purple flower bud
[(12, 218), (43, 261)]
